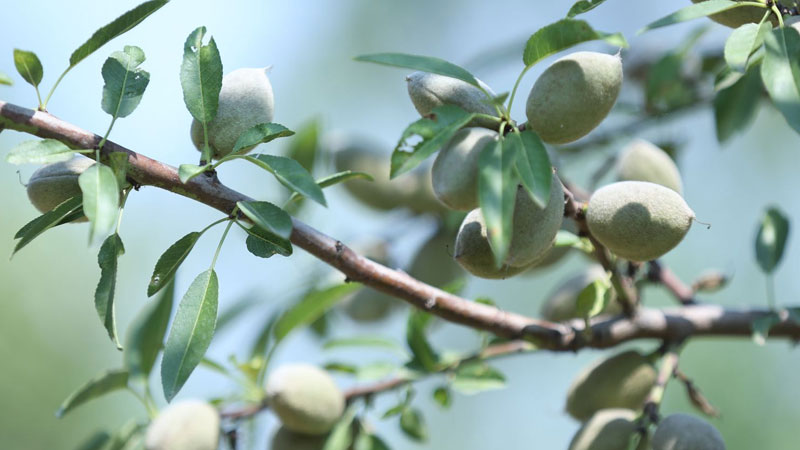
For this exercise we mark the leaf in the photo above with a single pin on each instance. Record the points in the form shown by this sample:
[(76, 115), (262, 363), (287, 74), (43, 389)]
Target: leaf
[(100, 198), (695, 11), (310, 307), (735, 106), (263, 245), (96, 441), (780, 72), (583, 6), (260, 134), (39, 225), (188, 171), (593, 298), (290, 174), (413, 424), (565, 238), (366, 341), (120, 25), (533, 166), (201, 76), (124, 435), (125, 82), (434, 132), (771, 239), (45, 151), (170, 260), (341, 435), (497, 191), (336, 178), (562, 35), (5, 79), (273, 224), (145, 335), (761, 327), (477, 377), (28, 66), (423, 63), (191, 332), (368, 441), (98, 386), (443, 397), (341, 367), (110, 251), (305, 144), (417, 340), (742, 42), (377, 371), (119, 164)]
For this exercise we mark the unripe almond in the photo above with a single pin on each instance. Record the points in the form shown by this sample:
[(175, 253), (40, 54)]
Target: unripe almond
[(455, 170), (573, 95), (51, 185), (430, 90), (621, 381), (608, 429), (642, 161), (288, 440), (184, 425), (686, 432), (555, 254), (736, 17), (637, 220), (433, 263), (562, 303), (245, 100), (305, 398)]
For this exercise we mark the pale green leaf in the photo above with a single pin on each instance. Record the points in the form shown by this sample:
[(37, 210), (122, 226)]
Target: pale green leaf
[(98, 184), (96, 387), (45, 151), (423, 63), (780, 73), (260, 134), (742, 42), (201, 76), (562, 35), (311, 307), (692, 12)]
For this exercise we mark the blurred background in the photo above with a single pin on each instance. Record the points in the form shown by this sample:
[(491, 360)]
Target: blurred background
[(51, 340)]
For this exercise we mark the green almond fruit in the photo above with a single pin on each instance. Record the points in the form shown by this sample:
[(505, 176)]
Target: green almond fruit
[(620, 381), (455, 170), (245, 100), (572, 96), (607, 429), (288, 440), (637, 220), (562, 303), (736, 17), (52, 184), (184, 425), (642, 161), (305, 398), (686, 432), (430, 90)]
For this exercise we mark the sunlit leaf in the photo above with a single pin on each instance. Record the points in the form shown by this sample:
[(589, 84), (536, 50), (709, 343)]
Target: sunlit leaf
[(201, 76), (100, 198), (562, 35), (742, 42), (290, 174), (692, 12), (45, 151)]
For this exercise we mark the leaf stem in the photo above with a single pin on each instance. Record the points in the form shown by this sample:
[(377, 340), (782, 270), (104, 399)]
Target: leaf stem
[(50, 94), (516, 86), (146, 401), (771, 292), (221, 241), (121, 209)]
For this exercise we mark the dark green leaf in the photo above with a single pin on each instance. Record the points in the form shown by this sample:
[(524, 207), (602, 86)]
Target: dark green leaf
[(145, 335), (695, 11), (780, 72), (761, 327), (125, 81), (28, 66), (290, 174), (583, 6), (477, 377), (416, 338), (191, 332), (119, 26), (201, 76), (5, 79), (260, 134), (39, 225), (100, 198), (170, 260), (771, 239), (104, 383), (423, 63), (368, 441), (110, 251), (310, 307), (735, 106), (331, 180), (742, 42), (188, 171), (533, 165), (303, 147), (562, 35), (273, 224), (443, 397), (594, 298), (413, 424), (435, 132), (45, 151), (497, 192), (265, 245), (96, 441), (119, 164), (366, 341), (341, 436)]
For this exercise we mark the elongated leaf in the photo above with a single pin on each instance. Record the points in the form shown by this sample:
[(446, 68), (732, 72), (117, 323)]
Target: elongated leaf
[(28, 66), (413, 424), (497, 191), (191, 332), (477, 377), (201, 76), (594, 298), (780, 72), (170, 260), (45, 151), (583, 6), (100, 198), (771, 239), (562, 35), (5, 79), (110, 251), (761, 327), (311, 307), (96, 387), (273, 223), (692, 12), (735, 107), (742, 42), (366, 341), (188, 171), (39, 225), (341, 436), (117, 27), (125, 81), (447, 120), (417, 340), (423, 63), (145, 335), (533, 166), (290, 174), (336, 178), (260, 134), (369, 441)]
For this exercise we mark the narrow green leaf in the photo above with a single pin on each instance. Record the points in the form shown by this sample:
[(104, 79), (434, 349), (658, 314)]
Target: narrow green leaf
[(417, 340), (117, 27), (39, 225), (201, 76), (100, 198), (266, 245), (413, 424), (761, 327), (28, 66), (477, 377), (145, 335), (562, 35), (170, 260), (497, 191), (5, 79), (45, 151), (107, 259), (188, 171), (310, 307), (735, 107), (260, 134), (125, 81), (96, 441), (191, 332), (583, 6), (394, 411), (331, 180), (341, 436), (304, 146), (533, 166), (378, 370), (366, 341), (594, 298), (780, 72), (443, 397), (423, 63), (341, 368), (771, 239), (692, 12), (435, 132), (102, 384), (290, 174), (368, 441), (274, 224), (742, 42)]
